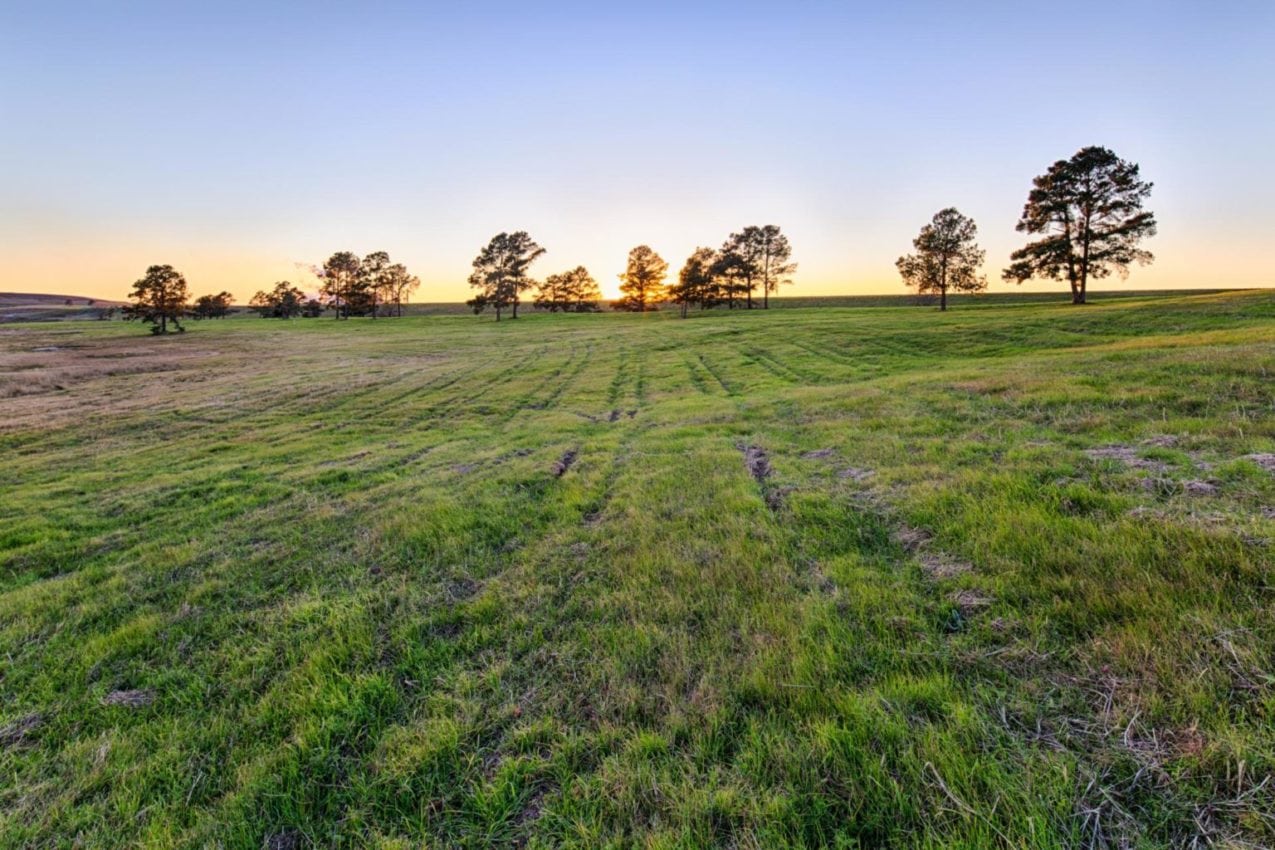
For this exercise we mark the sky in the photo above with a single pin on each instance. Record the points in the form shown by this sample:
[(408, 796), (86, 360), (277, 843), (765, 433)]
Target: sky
[(244, 142)]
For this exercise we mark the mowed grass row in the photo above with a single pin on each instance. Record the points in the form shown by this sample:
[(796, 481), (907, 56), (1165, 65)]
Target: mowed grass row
[(809, 578)]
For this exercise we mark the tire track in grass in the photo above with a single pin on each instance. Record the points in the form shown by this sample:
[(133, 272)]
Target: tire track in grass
[(697, 380), (982, 668), (517, 404), (556, 586), (465, 782), (354, 407), (780, 368), (863, 596), (527, 586), (450, 406), (460, 374), (721, 382), (552, 399), (827, 353), (639, 384), (828, 368), (621, 377), (407, 414)]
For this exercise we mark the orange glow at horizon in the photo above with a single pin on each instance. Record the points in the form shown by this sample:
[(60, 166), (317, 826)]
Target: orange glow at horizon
[(107, 272)]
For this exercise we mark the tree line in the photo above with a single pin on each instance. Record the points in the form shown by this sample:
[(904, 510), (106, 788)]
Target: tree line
[(1086, 213), (755, 257), (349, 286)]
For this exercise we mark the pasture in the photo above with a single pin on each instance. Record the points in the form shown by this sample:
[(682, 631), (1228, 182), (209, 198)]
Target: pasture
[(833, 577)]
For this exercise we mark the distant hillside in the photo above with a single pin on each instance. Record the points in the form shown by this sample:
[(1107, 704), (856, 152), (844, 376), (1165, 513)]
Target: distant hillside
[(37, 307)]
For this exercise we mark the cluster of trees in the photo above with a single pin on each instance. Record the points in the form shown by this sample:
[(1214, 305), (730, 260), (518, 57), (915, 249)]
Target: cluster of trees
[(285, 301), (217, 306), (756, 257), (1087, 212), (501, 275), (351, 286), (752, 258), (501, 272), (367, 286), (570, 292), (162, 298)]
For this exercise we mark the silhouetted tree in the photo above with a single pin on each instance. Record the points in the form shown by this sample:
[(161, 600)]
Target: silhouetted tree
[(399, 286), (372, 286), (946, 258), (312, 308), (772, 253), (740, 257), (340, 277), (282, 302), (731, 274), (159, 298), (212, 306), (500, 272), (1088, 212), (643, 281), (574, 291), (696, 282)]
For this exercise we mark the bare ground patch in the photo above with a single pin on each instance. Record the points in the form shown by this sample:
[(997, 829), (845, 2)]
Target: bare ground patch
[(17, 732), (939, 565), (288, 839), (970, 602), (462, 589), (1265, 460), (911, 539), (757, 462), (130, 699), (565, 462), (1127, 455)]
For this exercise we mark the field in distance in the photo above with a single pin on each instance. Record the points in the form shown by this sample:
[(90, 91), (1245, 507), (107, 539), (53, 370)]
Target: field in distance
[(803, 578)]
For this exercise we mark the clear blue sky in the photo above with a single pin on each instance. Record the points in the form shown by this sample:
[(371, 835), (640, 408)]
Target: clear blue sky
[(234, 140)]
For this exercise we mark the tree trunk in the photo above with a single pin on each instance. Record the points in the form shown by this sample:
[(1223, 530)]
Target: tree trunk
[(943, 300), (1084, 253), (1084, 273)]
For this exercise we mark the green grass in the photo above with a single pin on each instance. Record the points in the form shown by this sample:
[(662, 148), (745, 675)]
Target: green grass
[(335, 558)]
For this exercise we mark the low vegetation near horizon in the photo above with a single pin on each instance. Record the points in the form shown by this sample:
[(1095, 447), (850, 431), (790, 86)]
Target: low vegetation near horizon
[(816, 578)]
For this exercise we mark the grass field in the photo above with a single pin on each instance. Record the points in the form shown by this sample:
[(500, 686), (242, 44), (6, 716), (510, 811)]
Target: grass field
[(809, 578)]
